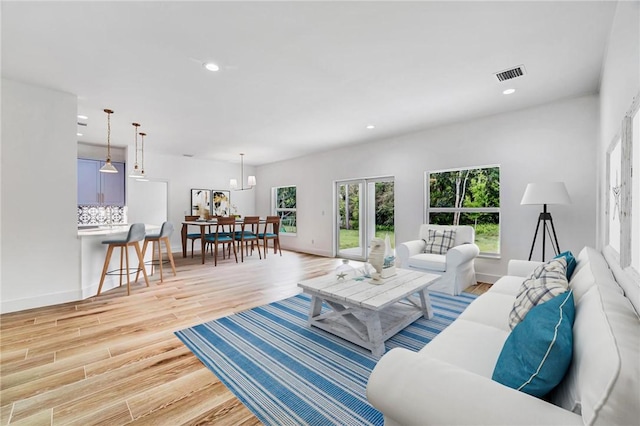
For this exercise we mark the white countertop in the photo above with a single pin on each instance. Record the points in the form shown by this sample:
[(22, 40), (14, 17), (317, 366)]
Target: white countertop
[(101, 230)]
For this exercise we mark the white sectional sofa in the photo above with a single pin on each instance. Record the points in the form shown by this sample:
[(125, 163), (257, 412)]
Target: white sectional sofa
[(449, 382), (456, 268)]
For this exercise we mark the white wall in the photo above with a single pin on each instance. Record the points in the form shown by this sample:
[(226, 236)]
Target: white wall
[(620, 83), (553, 142), (40, 249), (99, 152)]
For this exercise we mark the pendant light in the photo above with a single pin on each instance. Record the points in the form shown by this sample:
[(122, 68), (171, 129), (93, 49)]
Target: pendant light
[(142, 177), (136, 171), (108, 167), (251, 180)]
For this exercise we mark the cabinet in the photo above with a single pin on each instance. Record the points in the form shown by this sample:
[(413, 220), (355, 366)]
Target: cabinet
[(95, 188)]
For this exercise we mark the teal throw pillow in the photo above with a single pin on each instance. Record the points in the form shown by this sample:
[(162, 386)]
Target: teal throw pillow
[(571, 262), (537, 353)]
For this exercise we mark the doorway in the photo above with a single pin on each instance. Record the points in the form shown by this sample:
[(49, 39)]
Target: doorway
[(364, 210)]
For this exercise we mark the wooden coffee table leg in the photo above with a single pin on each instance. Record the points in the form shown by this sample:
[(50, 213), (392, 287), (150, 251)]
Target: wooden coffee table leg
[(374, 330), (425, 300), (316, 307)]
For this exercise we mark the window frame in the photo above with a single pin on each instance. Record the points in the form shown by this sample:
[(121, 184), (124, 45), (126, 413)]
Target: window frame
[(428, 209), (275, 210)]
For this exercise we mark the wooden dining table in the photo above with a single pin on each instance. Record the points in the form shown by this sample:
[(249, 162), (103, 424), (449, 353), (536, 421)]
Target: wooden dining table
[(204, 225)]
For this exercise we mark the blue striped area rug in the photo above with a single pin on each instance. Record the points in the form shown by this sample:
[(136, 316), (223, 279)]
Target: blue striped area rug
[(288, 373)]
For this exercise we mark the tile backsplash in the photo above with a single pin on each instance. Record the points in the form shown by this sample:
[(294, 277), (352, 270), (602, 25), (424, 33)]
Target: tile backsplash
[(99, 215)]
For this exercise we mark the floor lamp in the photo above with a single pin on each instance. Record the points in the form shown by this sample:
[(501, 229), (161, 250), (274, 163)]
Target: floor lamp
[(546, 193)]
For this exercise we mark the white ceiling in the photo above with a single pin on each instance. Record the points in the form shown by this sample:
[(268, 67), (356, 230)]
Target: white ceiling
[(298, 77)]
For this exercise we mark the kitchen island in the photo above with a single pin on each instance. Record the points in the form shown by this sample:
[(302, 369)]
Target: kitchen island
[(93, 252)]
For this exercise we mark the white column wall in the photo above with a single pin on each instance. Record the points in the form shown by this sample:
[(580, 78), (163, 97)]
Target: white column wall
[(553, 142), (40, 262), (619, 84)]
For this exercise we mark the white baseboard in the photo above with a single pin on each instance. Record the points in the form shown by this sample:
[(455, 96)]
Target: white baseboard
[(39, 301), (323, 253), (487, 278)]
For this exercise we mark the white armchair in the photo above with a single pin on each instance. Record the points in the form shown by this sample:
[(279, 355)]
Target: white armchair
[(455, 267)]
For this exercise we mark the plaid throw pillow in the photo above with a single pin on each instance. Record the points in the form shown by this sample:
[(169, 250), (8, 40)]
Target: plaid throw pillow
[(439, 241), (545, 282)]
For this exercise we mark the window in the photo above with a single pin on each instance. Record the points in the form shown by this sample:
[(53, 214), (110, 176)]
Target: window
[(469, 196), (284, 202)]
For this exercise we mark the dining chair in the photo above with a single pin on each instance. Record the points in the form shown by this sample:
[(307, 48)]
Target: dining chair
[(134, 236), (248, 233), (194, 236), (224, 234), (156, 240), (271, 232)]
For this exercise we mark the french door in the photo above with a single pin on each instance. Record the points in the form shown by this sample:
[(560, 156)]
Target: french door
[(364, 210)]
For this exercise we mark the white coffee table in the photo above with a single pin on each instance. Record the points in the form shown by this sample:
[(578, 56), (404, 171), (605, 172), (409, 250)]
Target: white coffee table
[(368, 314)]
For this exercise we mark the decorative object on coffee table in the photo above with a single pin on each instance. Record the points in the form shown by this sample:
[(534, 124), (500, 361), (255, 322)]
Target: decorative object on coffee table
[(376, 257), (345, 271)]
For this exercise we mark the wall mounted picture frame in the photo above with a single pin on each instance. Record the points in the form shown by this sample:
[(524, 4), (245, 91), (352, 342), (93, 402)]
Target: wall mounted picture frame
[(630, 231), (635, 187), (200, 202), (613, 208), (220, 202)]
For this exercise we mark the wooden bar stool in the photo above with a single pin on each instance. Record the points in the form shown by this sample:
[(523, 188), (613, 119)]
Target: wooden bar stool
[(135, 235), (156, 241)]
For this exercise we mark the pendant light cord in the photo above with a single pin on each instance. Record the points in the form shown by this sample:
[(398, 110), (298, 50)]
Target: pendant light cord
[(136, 125), (109, 112), (142, 135)]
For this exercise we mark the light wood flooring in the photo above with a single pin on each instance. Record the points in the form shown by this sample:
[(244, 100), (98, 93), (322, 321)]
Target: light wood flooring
[(114, 359)]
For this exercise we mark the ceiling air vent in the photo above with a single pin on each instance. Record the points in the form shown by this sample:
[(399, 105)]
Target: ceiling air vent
[(511, 73)]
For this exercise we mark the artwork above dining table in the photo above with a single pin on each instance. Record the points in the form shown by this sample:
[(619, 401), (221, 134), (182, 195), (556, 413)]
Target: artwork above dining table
[(210, 202), (220, 205), (200, 202)]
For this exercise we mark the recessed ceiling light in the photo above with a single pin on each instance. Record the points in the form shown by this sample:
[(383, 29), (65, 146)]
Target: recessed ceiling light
[(79, 134), (508, 91), (371, 126), (211, 66), (83, 117)]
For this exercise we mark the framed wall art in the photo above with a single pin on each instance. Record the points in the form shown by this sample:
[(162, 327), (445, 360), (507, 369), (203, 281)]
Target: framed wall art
[(630, 254), (635, 186), (200, 202), (220, 204), (613, 208)]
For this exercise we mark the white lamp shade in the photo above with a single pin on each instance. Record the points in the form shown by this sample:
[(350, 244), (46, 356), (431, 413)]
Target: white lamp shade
[(108, 168), (135, 173), (546, 193), (251, 180), (233, 184)]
